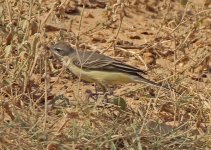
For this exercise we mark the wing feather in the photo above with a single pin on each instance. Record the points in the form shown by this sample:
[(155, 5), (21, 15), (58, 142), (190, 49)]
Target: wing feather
[(94, 61)]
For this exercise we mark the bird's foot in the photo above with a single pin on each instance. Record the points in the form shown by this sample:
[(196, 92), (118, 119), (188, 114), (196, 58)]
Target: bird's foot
[(95, 96), (90, 94)]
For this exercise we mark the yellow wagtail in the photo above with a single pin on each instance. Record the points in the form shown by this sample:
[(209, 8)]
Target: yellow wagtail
[(94, 67)]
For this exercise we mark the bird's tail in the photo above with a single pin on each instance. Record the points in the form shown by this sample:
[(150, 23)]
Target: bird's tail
[(147, 81)]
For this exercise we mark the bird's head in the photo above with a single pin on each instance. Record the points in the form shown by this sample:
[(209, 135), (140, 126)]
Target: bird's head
[(62, 49)]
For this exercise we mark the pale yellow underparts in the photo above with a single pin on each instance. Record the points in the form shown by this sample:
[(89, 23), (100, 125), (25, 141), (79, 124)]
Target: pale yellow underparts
[(101, 77)]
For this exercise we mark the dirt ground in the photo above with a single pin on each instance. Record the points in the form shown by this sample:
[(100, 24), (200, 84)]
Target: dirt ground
[(44, 106)]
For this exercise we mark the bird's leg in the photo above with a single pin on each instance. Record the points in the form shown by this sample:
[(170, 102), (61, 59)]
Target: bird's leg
[(96, 90), (96, 93), (92, 95), (106, 91), (89, 94)]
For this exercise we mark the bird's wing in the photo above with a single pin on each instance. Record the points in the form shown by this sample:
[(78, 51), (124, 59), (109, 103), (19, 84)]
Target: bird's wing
[(95, 61)]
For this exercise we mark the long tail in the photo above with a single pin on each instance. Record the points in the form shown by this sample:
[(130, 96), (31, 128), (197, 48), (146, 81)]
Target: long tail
[(147, 81)]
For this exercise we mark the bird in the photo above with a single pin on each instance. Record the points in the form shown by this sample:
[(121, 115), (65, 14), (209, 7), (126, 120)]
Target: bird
[(99, 68)]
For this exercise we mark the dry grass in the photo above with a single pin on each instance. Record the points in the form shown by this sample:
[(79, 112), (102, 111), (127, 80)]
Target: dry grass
[(44, 107)]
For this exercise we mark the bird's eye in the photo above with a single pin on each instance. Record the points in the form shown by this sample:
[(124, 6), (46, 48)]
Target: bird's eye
[(57, 49)]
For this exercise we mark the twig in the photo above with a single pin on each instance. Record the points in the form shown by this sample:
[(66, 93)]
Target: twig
[(163, 21), (9, 11), (181, 21), (46, 93), (79, 27), (47, 16), (77, 45), (134, 54), (119, 27)]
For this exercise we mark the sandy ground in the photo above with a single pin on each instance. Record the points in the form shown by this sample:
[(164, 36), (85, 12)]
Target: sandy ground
[(44, 106)]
